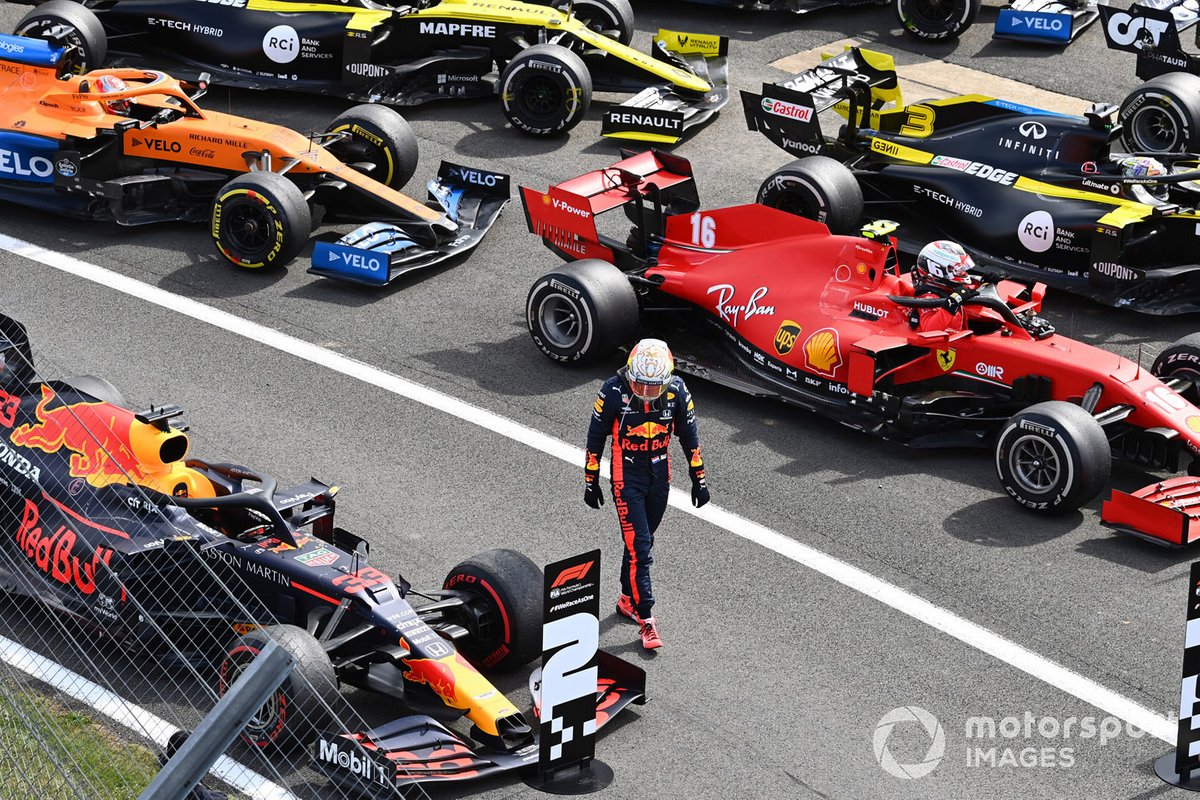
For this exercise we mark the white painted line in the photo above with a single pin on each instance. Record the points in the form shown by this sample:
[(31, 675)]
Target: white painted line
[(133, 717), (850, 576)]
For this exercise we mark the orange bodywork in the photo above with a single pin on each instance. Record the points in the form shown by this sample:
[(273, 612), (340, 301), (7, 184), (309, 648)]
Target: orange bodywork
[(42, 104), (109, 444)]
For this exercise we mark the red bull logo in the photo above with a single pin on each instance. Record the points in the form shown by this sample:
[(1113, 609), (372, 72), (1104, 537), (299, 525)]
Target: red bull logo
[(654, 436), (438, 675), (647, 430), (89, 430), (56, 554)]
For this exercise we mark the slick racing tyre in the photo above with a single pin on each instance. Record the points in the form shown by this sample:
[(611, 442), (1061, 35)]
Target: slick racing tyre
[(1163, 115), (81, 27), (98, 388), (260, 219), (301, 704), (1181, 360), (819, 188), (613, 18), (1053, 457), (546, 90), (936, 19), (582, 311), (503, 613), (380, 138)]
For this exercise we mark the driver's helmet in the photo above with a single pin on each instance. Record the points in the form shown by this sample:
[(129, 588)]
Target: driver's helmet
[(649, 369), (943, 264), (1145, 167), (111, 83)]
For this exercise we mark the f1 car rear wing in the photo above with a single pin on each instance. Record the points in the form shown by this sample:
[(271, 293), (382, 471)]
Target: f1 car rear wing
[(857, 83), (664, 113), (1153, 34), (650, 186), (377, 253)]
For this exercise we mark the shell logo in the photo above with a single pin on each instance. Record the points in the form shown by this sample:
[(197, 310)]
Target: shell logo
[(822, 352), (546, 199), (1193, 423)]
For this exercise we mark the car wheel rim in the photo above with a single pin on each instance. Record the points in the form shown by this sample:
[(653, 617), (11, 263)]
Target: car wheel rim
[(800, 204), (265, 718), (249, 228), (601, 23), (559, 320), (1034, 464), (355, 151), (1192, 393), (1154, 129), (932, 14), (542, 98)]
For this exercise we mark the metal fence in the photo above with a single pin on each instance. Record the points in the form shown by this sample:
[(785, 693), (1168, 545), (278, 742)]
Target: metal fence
[(123, 617)]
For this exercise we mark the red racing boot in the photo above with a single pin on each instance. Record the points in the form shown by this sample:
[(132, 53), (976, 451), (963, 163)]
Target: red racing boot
[(625, 608), (650, 638)]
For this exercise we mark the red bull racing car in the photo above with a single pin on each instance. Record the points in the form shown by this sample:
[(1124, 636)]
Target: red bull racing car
[(104, 518), (1029, 193), (775, 305), (543, 60), (133, 147)]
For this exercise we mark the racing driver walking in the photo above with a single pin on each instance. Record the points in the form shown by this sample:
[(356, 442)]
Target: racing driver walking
[(640, 407)]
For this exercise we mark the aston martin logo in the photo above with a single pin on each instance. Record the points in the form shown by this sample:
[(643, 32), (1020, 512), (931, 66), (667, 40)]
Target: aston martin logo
[(945, 359)]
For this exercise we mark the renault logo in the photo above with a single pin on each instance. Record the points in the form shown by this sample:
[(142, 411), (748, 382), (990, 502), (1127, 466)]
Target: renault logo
[(1032, 130)]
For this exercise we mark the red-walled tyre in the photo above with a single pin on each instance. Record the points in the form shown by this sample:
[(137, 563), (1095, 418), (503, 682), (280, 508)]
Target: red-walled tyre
[(503, 614), (301, 704)]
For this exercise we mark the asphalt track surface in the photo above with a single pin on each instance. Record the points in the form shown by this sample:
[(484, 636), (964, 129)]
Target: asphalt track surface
[(773, 677)]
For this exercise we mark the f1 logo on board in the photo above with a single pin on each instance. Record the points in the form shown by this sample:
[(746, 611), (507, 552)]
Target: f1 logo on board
[(1125, 29), (575, 573)]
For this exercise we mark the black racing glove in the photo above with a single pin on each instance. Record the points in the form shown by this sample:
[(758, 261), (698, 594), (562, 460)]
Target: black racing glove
[(954, 302), (700, 494), (592, 494)]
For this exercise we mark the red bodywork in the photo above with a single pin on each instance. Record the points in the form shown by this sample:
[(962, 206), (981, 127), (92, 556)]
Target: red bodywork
[(818, 305)]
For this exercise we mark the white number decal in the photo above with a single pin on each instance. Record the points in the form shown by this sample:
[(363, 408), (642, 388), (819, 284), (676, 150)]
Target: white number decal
[(704, 230), (566, 676), (1166, 399)]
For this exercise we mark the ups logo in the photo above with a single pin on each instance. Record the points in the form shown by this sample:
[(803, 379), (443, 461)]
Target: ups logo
[(786, 336)]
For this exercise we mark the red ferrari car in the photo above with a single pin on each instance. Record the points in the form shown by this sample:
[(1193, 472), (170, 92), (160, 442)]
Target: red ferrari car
[(775, 305)]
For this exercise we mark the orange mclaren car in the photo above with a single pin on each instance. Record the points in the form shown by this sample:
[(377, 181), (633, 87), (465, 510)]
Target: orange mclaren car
[(131, 146)]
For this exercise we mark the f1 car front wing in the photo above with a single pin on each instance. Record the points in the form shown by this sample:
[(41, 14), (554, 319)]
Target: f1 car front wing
[(377, 253), (419, 749), (664, 113)]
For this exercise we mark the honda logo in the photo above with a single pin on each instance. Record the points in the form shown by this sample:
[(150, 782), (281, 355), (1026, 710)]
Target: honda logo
[(1032, 130)]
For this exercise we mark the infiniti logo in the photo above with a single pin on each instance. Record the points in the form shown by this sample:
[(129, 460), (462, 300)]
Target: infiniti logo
[(1032, 130)]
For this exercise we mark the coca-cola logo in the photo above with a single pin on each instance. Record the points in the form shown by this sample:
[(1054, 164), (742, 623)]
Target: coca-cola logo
[(202, 152)]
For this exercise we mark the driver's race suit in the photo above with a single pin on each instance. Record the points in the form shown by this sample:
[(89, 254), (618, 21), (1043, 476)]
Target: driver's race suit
[(641, 468)]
